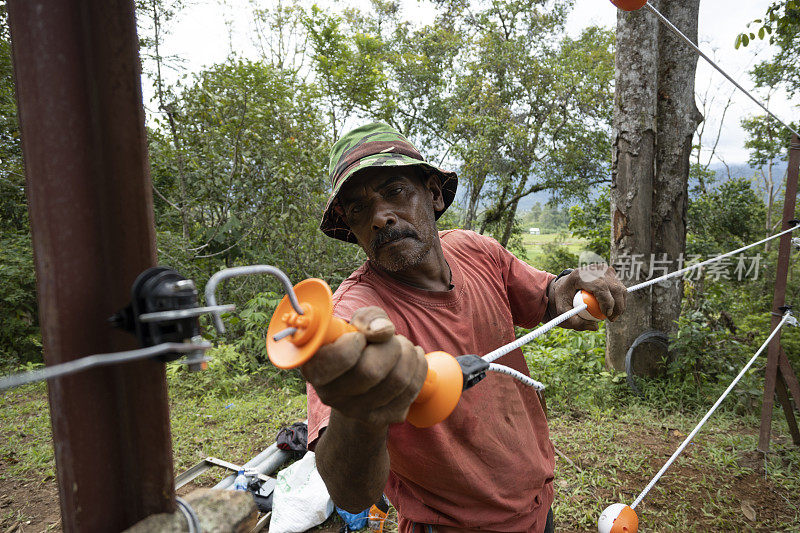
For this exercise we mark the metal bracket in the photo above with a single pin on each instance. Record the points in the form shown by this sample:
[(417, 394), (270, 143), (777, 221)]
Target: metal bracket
[(210, 462), (226, 273)]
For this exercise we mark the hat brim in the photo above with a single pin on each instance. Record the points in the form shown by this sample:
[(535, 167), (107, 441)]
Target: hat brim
[(333, 225)]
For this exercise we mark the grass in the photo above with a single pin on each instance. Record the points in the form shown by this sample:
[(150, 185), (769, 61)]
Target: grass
[(616, 441), (536, 246)]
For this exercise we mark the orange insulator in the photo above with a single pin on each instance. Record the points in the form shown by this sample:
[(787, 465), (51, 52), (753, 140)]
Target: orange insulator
[(629, 5), (618, 518), (317, 326), (592, 311)]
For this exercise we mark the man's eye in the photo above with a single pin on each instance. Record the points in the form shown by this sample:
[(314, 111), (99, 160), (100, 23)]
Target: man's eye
[(356, 209), (394, 191)]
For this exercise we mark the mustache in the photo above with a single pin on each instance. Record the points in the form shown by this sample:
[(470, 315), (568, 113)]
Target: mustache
[(391, 234)]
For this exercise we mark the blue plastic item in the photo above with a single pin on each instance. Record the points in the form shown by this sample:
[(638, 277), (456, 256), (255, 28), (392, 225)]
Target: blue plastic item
[(354, 521), (240, 483)]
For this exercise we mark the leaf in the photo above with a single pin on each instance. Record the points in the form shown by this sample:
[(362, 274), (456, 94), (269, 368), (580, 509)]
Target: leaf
[(748, 511)]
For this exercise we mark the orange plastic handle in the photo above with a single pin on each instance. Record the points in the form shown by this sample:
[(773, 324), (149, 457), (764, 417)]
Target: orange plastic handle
[(317, 326), (629, 5)]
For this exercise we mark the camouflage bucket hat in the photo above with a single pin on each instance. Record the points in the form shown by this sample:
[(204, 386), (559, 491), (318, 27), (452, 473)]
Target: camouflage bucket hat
[(374, 145)]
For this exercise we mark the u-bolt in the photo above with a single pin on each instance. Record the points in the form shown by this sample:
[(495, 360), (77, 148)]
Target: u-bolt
[(211, 287)]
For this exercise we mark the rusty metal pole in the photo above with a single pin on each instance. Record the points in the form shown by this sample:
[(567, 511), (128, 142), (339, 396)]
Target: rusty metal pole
[(83, 137), (781, 274)]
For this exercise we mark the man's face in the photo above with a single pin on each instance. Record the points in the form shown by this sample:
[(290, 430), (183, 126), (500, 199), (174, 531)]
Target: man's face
[(391, 211)]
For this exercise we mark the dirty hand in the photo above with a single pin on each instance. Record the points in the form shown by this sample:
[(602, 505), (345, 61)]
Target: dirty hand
[(600, 280), (371, 375)]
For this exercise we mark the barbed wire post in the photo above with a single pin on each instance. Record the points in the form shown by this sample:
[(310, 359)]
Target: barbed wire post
[(779, 374)]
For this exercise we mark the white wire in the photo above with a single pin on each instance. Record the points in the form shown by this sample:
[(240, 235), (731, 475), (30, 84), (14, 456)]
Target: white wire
[(709, 413), (525, 339), (707, 261), (502, 369), (688, 41)]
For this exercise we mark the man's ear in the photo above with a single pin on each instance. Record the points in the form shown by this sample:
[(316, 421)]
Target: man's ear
[(433, 185)]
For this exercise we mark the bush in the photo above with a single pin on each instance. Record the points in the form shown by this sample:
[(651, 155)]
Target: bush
[(20, 338), (571, 364)]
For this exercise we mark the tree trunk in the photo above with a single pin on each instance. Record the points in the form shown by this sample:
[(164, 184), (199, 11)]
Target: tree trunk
[(677, 119), (510, 218), (654, 87), (475, 187)]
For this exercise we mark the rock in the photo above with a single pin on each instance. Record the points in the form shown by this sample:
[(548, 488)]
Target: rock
[(219, 511)]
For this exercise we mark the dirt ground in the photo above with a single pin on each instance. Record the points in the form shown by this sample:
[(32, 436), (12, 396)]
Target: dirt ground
[(32, 506)]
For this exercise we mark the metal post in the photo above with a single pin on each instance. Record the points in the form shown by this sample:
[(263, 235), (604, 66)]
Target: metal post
[(781, 273), (80, 107)]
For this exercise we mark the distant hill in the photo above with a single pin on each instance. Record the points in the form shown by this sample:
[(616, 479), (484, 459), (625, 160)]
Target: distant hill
[(736, 170)]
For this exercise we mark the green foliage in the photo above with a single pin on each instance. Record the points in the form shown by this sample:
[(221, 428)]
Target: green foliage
[(572, 366), (724, 218), (767, 140), (781, 23), (239, 166), (592, 221), (549, 218), (555, 256), (20, 339), (705, 349)]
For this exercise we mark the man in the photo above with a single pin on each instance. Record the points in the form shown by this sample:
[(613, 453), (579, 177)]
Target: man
[(489, 465)]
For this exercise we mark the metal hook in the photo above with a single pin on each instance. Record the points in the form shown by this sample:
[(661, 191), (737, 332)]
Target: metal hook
[(211, 287)]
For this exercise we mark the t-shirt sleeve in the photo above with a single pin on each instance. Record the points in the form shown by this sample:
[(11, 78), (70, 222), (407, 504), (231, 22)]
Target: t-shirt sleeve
[(526, 286), (527, 292)]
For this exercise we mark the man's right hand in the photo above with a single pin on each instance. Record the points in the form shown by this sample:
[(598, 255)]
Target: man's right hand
[(370, 375)]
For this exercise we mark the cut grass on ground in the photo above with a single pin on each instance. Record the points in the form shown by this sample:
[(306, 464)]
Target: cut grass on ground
[(614, 453)]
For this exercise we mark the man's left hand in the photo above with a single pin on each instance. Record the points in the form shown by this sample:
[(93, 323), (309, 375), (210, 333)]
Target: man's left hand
[(601, 281)]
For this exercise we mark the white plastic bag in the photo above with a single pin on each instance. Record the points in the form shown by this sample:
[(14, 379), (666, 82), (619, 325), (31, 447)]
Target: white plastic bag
[(301, 500)]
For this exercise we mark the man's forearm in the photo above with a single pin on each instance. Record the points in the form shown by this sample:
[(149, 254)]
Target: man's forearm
[(353, 461)]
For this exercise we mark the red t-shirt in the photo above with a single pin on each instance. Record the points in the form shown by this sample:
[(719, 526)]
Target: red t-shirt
[(489, 465)]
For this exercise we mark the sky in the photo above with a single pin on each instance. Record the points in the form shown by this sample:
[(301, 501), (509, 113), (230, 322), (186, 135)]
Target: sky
[(206, 31)]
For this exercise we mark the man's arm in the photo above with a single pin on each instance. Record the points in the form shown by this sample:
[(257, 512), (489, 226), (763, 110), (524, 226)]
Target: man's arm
[(353, 460), (369, 378)]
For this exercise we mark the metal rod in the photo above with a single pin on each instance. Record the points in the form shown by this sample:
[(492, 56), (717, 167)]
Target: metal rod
[(779, 298), (211, 287), (97, 360), (283, 334), (688, 41), (180, 314), (79, 86)]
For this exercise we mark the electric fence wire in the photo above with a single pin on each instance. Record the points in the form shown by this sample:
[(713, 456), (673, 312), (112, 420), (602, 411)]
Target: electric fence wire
[(103, 359), (787, 317), (502, 369), (192, 520), (719, 69)]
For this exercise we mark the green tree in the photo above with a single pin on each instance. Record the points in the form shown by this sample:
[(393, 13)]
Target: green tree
[(20, 339), (724, 218), (492, 88), (781, 26), (244, 171)]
